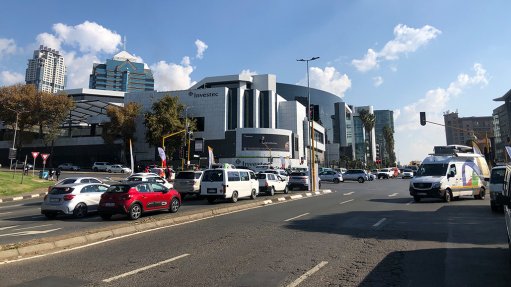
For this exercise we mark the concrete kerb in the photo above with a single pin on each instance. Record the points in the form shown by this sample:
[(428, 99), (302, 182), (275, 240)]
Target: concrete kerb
[(130, 228)]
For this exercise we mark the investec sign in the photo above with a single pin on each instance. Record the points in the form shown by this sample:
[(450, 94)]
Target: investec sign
[(202, 95)]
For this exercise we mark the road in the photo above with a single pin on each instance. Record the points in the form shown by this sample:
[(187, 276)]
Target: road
[(369, 234)]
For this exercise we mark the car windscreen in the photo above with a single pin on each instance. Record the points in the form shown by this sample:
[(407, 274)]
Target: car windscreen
[(433, 169), (68, 181), (61, 190), (213, 175), (497, 175), (261, 176), (134, 178), (185, 175), (298, 174), (118, 188)]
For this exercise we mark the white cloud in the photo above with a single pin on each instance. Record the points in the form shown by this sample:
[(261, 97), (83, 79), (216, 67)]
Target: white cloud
[(405, 40), (434, 103), (248, 72), (201, 47), (79, 69), (9, 78), (328, 80), (170, 76), (377, 81), (7, 46), (49, 40)]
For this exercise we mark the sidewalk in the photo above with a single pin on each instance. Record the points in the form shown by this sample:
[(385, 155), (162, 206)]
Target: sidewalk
[(40, 192)]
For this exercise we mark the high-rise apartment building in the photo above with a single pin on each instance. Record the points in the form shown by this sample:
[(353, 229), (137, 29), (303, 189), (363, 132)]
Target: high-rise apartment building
[(46, 70), (122, 73), (382, 119), (463, 130)]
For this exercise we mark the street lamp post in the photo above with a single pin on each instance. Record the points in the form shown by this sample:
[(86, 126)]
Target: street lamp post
[(309, 140), (18, 112)]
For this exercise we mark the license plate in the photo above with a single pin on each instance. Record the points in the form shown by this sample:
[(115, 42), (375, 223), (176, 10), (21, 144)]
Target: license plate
[(421, 193), (211, 190), (54, 199), (109, 204)]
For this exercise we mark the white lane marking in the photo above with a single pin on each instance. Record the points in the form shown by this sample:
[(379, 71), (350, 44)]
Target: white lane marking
[(7, 227), (409, 202), (349, 193), (144, 268), (392, 195), (346, 201), (1, 213), (8, 206), (33, 227), (308, 274), (379, 222), (34, 232), (296, 217)]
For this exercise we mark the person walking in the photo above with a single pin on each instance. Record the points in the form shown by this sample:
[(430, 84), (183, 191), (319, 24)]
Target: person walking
[(50, 174), (57, 173), (167, 173)]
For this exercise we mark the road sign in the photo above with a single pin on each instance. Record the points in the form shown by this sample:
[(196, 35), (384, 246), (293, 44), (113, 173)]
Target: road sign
[(35, 154), (12, 153), (45, 156)]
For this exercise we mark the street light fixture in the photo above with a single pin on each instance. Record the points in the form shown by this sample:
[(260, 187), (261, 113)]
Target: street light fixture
[(309, 140), (18, 112)]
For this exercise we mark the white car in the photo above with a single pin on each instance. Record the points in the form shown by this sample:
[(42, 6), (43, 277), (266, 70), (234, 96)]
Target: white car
[(407, 173), (118, 168), (280, 172), (77, 199), (69, 166), (150, 177), (330, 175), (270, 183)]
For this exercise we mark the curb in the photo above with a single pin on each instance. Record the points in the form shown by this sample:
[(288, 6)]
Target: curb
[(22, 197), (10, 252)]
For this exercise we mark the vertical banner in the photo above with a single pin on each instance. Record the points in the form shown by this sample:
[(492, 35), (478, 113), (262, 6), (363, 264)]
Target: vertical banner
[(131, 158), (282, 162), (163, 157), (211, 157)]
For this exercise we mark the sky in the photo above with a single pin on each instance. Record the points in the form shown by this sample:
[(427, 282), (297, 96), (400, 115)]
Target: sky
[(407, 56)]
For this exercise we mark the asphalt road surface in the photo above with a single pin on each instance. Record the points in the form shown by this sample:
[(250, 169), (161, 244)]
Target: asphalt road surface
[(369, 234)]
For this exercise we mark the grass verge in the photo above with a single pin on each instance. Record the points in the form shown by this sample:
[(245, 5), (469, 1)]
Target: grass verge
[(10, 186)]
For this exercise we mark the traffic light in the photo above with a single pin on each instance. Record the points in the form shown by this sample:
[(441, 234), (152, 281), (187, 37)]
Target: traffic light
[(378, 154), (423, 118)]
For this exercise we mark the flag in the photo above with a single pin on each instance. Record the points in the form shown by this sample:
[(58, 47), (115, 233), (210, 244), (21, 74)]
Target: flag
[(163, 157), (508, 149), (476, 148), (211, 157), (131, 158)]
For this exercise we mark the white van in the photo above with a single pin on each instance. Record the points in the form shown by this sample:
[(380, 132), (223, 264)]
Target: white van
[(229, 183), (447, 175)]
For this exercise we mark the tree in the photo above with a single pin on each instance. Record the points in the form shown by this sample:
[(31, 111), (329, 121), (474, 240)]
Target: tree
[(388, 135), (165, 119), (122, 125), (368, 120)]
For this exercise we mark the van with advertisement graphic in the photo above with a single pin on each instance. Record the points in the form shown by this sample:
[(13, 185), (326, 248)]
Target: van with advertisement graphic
[(451, 172)]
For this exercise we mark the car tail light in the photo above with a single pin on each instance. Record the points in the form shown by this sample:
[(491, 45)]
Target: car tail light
[(126, 196), (224, 188), (68, 197)]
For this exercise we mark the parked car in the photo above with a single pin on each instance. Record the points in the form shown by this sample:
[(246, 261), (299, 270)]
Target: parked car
[(359, 175), (136, 198), (100, 166), (71, 180), (271, 183), (407, 173), (150, 177), (229, 183), (188, 182), (118, 168), (385, 173), (280, 172), (68, 166), (19, 164), (496, 184), (75, 199), (300, 179), (330, 175)]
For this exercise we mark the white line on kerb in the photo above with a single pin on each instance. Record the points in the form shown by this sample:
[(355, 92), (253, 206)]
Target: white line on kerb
[(349, 193), (379, 222), (409, 202), (281, 199), (1, 213), (308, 274), (144, 268), (308, 194), (346, 201), (392, 195), (296, 217), (296, 196)]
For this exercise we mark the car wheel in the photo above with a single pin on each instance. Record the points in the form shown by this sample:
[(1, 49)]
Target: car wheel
[(234, 197), (211, 199), (416, 199), (336, 180), (95, 169), (361, 180), (272, 191), (105, 216), (109, 171), (80, 210), (447, 196), (286, 190), (135, 211), (174, 205), (253, 195), (50, 215), (482, 194), (122, 170)]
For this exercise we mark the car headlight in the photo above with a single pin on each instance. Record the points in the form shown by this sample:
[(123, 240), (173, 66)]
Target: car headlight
[(435, 185)]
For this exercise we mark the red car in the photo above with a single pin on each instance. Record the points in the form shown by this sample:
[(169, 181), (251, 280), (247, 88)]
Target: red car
[(135, 198)]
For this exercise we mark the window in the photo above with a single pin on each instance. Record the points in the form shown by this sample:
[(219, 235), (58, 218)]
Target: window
[(158, 187), (102, 188), (199, 121), (244, 176), (264, 109), (213, 175), (252, 175), (248, 109), (271, 176), (143, 187), (233, 176), (232, 109)]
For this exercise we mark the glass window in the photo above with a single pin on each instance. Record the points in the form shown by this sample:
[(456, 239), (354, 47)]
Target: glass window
[(143, 187), (118, 188), (93, 180), (213, 175), (261, 176), (497, 175), (232, 109), (233, 176), (102, 188), (244, 176), (158, 187), (252, 175), (248, 109), (264, 109), (271, 176)]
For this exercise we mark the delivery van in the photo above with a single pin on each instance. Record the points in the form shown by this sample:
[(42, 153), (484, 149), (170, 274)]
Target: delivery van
[(451, 172), (227, 183)]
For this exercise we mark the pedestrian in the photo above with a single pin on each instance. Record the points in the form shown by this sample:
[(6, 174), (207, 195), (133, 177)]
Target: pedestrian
[(25, 169), (50, 174), (57, 173), (167, 173), (146, 169)]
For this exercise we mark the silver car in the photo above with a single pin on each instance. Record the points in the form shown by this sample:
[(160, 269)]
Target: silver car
[(76, 199), (331, 175), (359, 175), (188, 182)]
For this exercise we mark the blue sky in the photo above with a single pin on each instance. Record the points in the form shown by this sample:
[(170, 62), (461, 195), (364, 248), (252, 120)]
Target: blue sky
[(406, 56)]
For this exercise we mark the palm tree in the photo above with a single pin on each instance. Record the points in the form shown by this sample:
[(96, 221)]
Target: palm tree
[(388, 134), (368, 121)]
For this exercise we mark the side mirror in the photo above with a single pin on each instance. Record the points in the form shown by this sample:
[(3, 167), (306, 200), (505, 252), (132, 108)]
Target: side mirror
[(487, 179), (503, 200)]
